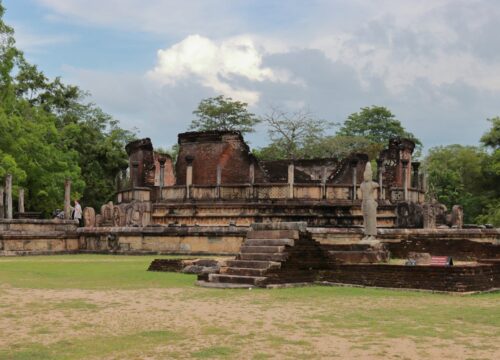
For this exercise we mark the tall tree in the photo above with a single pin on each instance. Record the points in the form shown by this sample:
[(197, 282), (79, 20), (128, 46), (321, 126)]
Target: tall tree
[(291, 133), (223, 113), (456, 176), (49, 133), (377, 124)]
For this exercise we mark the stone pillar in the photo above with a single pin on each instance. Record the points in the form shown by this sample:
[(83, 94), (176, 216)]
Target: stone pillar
[(8, 197), (291, 179), (251, 175), (323, 182), (189, 175), (380, 176), (20, 201), (134, 174), (415, 177), (67, 199), (405, 179), (354, 166), (2, 209), (162, 175), (219, 179)]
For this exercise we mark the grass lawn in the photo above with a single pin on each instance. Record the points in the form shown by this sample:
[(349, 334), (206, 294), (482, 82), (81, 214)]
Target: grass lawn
[(110, 307)]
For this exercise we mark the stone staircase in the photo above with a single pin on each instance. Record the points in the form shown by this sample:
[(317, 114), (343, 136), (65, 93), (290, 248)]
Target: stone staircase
[(271, 254)]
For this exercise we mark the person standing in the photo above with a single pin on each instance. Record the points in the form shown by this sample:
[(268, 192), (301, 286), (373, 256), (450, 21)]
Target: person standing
[(77, 213)]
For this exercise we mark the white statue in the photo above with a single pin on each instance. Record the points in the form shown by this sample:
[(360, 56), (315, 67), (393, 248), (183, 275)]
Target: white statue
[(369, 204)]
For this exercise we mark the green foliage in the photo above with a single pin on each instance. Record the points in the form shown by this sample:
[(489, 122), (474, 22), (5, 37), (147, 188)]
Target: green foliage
[(492, 137), (339, 146), (465, 175), (49, 133), (299, 135), (292, 134), (223, 113), (377, 124)]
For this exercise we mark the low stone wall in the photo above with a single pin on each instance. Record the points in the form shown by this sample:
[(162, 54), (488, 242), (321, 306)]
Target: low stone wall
[(439, 278), (163, 240), (461, 244), (35, 236), (25, 236)]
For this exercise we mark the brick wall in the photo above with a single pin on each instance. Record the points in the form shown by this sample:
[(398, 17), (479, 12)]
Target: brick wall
[(210, 149), (440, 278)]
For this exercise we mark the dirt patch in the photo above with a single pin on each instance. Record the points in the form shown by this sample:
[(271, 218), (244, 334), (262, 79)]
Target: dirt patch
[(241, 324)]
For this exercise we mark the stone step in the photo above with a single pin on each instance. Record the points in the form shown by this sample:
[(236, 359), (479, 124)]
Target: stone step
[(261, 249), (254, 264), (245, 271), (217, 285), (273, 234), (264, 256), (269, 242), (295, 225), (236, 279)]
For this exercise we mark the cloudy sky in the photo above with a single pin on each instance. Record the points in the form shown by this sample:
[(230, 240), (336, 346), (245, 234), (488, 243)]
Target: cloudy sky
[(434, 63)]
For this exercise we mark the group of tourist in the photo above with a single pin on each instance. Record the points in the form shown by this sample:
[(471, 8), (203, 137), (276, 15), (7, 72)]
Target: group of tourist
[(76, 213)]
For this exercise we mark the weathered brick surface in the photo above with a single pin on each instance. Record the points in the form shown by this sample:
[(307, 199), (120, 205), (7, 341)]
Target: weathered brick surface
[(210, 149), (459, 249), (440, 278)]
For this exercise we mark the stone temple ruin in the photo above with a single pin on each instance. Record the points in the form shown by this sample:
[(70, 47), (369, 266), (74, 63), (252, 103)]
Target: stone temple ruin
[(216, 181), (286, 221)]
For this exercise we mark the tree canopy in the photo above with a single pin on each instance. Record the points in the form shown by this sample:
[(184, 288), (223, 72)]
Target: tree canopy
[(469, 176), (377, 124), (223, 113), (50, 133)]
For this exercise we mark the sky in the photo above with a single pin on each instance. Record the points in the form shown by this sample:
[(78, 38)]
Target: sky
[(434, 63)]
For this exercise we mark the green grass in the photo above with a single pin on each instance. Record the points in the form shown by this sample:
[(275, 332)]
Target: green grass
[(259, 329), (91, 347), (87, 272), (219, 352)]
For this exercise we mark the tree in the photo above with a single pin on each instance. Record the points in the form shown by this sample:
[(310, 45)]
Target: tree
[(223, 113), (491, 174), (492, 137), (377, 124), (456, 176), (291, 133), (339, 147), (49, 133)]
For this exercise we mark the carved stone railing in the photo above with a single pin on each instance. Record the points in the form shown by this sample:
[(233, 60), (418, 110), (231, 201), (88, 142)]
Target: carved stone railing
[(265, 191), (138, 194)]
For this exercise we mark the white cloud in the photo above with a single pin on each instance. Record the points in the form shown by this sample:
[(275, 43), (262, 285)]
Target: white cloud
[(217, 65)]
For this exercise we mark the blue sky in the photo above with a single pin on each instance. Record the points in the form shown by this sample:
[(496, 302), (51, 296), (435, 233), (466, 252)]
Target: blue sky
[(434, 63)]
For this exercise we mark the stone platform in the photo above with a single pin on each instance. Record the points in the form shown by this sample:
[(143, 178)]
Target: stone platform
[(286, 253)]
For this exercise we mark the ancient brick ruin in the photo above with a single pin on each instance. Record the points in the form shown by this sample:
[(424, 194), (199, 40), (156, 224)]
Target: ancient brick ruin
[(209, 199), (217, 181)]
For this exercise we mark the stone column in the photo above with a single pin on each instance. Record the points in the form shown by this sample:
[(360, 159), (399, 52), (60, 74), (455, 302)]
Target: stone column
[(134, 174), (323, 182), (380, 172), (20, 201), (219, 179), (251, 175), (405, 179), (8, 196), (2, 209), (189, 175), (291, 179), (67, 199), (415, 178), (354, 166), (162, 176)]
